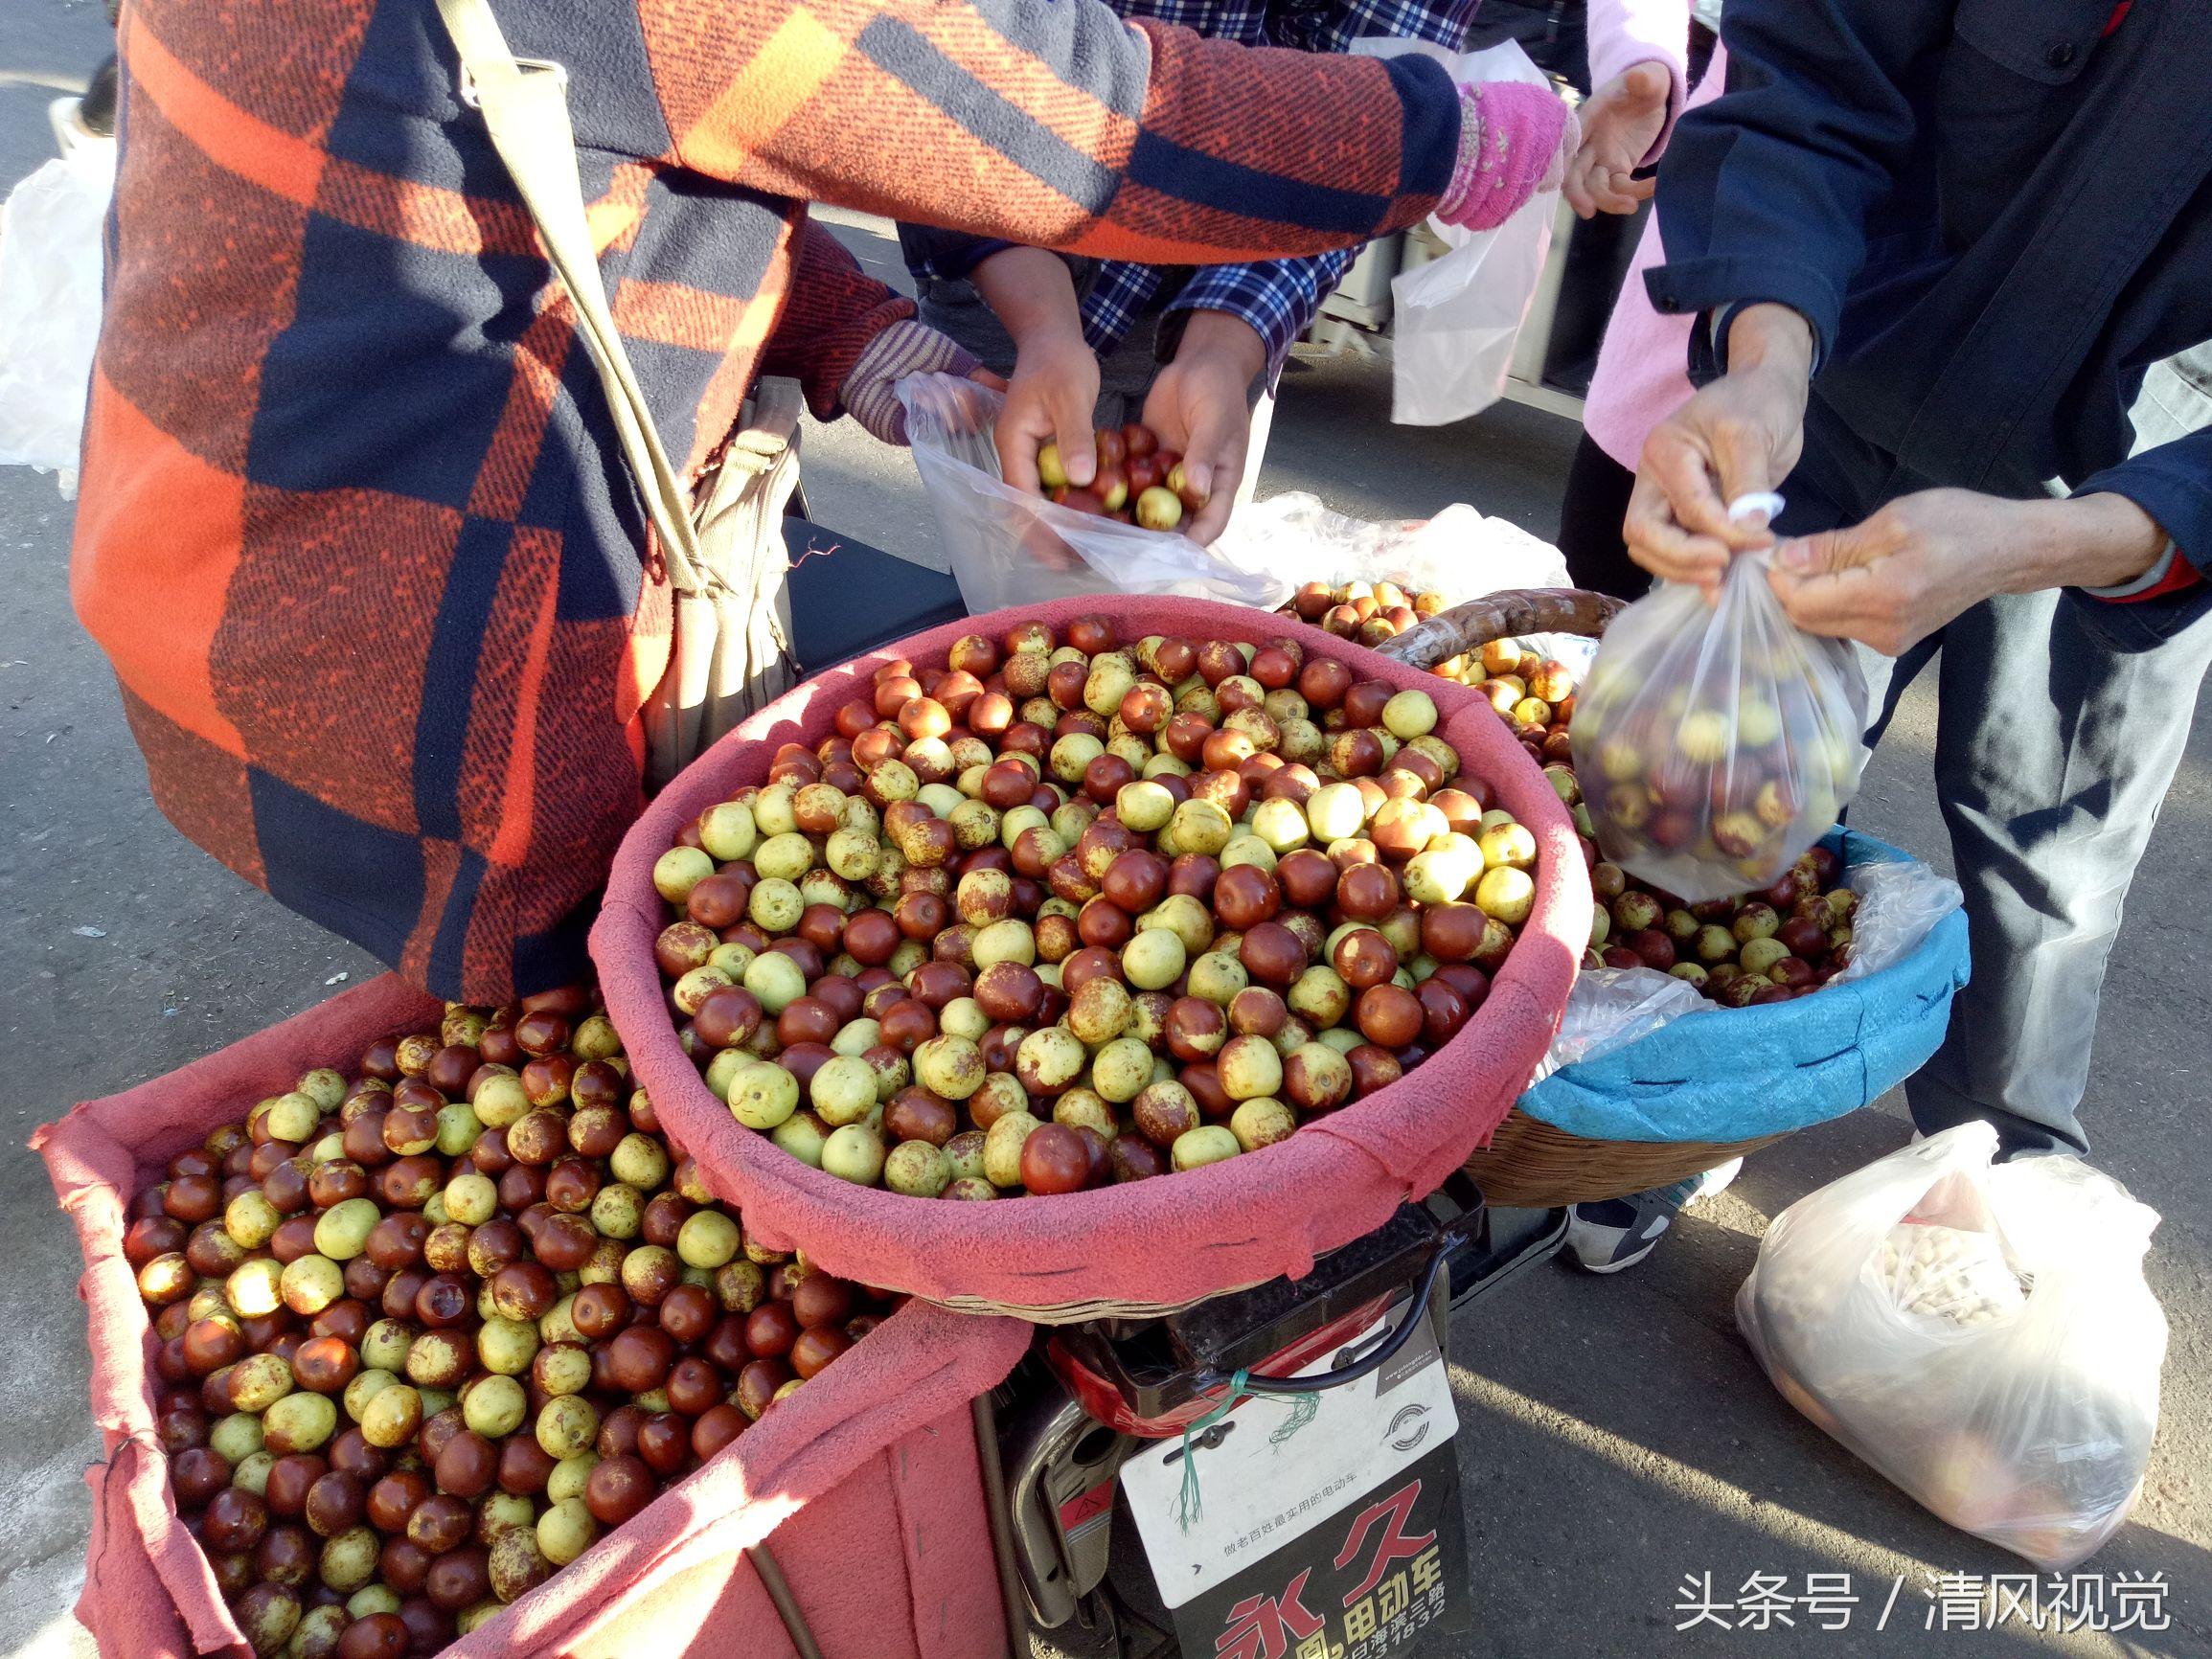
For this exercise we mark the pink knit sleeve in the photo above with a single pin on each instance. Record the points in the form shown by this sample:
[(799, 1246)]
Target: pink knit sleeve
[(1514, 140), (1626, 33)]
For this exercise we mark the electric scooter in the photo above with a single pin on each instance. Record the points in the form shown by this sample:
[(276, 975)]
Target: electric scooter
[(1310, 1419)]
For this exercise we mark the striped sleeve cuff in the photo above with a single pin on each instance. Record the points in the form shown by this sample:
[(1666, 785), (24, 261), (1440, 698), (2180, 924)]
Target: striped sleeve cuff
[(1279, 298), (870, 393), (2171, 573)]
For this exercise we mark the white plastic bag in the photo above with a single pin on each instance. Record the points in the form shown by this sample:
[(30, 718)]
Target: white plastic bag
[(50, 299), (1459, 554), (1981, 1335), (1010, 548), (1900, 902), (1715, 742), (1456, 319)]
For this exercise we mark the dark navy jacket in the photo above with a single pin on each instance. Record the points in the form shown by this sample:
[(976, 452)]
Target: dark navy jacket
[(1997, 215)]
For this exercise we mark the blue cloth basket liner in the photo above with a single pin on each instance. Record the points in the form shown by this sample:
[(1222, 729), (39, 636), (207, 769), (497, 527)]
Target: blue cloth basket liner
[(1743, 1074)]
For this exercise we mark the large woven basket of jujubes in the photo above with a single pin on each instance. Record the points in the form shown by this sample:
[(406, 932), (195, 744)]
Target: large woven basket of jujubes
[(871, 1461), (1142, 1245)]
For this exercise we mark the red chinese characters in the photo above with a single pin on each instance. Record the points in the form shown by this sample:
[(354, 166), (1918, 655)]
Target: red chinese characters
[(1391, 1513), (1263, 1626)]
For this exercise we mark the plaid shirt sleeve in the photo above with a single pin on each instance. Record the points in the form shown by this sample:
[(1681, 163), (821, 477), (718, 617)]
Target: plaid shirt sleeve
[(1278, 297), (1441, 22), (1118, 296)]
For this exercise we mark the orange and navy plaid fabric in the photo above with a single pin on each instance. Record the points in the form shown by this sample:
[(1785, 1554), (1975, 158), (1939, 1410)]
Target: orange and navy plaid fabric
[(355, 530)]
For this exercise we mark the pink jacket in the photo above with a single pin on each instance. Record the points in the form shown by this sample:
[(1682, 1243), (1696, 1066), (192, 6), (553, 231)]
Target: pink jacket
[(1626, 33), (1642, 374)]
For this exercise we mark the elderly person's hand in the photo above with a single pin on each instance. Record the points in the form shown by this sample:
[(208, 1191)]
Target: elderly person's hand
[(1922, 560), (1739, 436)]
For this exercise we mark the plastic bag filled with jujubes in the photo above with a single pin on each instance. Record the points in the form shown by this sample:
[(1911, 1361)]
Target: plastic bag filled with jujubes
[(1981, 1333), (1715, 743)]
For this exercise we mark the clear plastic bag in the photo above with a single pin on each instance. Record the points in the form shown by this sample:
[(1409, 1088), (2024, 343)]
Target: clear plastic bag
[(1980, 1333), (50, 299), (1576, 650), (1715, 743), (1454, 321), (1010, 548), (1900, 902), (1611, 1007)]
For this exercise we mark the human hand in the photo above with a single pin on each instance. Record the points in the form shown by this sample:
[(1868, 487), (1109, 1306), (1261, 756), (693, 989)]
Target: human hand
[(1737, 437), (870, 390), (1924, 559), (1620, 123), (1198, 406), (1051, 400), (1054, 392)]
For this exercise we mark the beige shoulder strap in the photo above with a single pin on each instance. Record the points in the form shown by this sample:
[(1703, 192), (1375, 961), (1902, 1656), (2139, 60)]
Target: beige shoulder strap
[(525, 107)]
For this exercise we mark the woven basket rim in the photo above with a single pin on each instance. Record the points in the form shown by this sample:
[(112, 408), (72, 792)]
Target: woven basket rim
[(808, 1209)]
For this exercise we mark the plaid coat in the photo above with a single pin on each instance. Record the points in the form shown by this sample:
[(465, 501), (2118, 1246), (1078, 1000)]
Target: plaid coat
[(355, 530)]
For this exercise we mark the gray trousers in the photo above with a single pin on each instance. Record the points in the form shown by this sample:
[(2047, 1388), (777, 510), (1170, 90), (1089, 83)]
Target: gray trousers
[(2057, 738), (1124, 375)]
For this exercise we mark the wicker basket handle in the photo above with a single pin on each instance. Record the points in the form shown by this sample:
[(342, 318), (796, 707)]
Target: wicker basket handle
[(1470, 626)]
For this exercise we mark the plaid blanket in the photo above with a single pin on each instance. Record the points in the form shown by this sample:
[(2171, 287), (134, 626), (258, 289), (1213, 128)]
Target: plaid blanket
[(355, 532)]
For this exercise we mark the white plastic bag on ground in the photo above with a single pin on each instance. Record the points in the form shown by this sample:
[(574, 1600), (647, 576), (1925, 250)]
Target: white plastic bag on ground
[(1456, 319), (1459, 554), (1981, 1335), (49, 297), (1010, 548)]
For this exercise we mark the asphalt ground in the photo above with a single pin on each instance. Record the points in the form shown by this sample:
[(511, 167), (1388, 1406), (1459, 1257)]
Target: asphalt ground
[(1615, 1433)]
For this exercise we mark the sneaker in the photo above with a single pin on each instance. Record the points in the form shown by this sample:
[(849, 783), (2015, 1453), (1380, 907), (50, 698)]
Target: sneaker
[(1619, 1233), (1715, 1180)]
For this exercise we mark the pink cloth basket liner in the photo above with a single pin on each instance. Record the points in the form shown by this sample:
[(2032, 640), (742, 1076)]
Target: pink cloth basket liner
[(865, 1481), (1152, 1244)]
